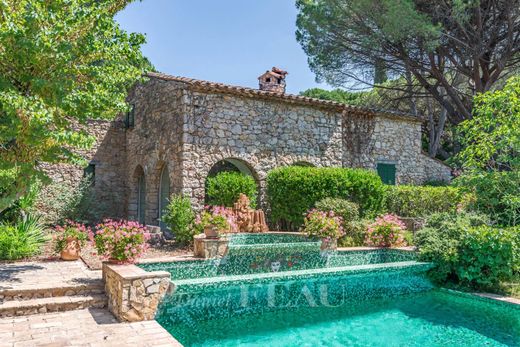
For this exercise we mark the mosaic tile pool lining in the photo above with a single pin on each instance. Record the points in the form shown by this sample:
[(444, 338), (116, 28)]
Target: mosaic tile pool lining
[(252, 253), (288, 293)]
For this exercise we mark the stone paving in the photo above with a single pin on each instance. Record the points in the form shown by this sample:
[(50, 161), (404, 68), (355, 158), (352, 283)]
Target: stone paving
[(88, 327), (52, 274)]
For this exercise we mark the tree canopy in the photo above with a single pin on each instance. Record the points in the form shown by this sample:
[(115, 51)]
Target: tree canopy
[(492, 138), (62, 62), (447, 50)]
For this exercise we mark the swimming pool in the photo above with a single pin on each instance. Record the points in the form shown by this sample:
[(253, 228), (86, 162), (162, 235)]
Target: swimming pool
[(281, 290)]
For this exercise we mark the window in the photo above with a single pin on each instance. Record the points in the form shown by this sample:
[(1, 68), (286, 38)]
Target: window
[(386, 172), (90, 173), (268, 79), (130, 117), (141, 199)]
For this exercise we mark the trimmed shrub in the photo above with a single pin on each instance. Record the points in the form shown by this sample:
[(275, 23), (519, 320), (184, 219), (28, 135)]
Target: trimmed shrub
[(22, 239), (225, 188), (386, 231), (354, 229), (345, 209), (355, 233), (422, 201), (467, 251), (180, 218), (292, 191), (496, 194), (323, 225)]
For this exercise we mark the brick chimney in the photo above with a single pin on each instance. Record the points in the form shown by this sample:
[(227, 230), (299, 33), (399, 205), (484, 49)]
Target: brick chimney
[(273, 81)]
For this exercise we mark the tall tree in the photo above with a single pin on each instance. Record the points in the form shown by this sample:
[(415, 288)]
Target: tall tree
[(61, 62), (451, 49)]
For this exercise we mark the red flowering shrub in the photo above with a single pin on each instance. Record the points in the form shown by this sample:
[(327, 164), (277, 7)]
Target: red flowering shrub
[(386, 231), (123, 241)]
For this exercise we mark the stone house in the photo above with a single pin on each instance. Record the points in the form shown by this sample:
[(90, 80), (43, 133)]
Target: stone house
[(181, 130)]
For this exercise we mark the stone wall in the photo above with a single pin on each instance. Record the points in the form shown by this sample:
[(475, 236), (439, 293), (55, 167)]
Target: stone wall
[(155, 142), (109, 187), (262, 134), (133, 293)]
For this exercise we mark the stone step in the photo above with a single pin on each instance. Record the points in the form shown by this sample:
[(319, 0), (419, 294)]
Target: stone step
[(14, 308), (22, 293)]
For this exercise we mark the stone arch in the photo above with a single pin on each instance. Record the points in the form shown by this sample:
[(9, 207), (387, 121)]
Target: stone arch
[(137, 202), (231, 164)]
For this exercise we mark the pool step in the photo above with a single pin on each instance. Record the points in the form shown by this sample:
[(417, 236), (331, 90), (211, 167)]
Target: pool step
[(201, 284), (14, 308), (37, 292)]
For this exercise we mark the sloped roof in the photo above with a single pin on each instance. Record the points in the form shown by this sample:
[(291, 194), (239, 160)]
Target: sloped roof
[(201, 85)]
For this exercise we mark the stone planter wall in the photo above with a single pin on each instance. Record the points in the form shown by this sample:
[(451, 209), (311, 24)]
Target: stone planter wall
[(210, 248), (133, 293)]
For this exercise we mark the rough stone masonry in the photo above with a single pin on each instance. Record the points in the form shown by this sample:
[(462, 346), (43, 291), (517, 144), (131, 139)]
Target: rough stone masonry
[(180, 128)]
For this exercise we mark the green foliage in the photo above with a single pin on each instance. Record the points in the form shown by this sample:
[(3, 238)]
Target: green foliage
[(496, 194), (292, 191), (70, 230), (467, 251), (345, 209), (487, 256), (206, 218), (180, 218), (354, 229), (355, 233), (225, 188), (338, 95), (323, 225), (60, 201), (422, 201), (22, 239), (63, 62), (491, 139)]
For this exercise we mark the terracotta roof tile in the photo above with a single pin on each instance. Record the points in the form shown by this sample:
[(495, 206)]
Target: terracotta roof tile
[(296, 99)]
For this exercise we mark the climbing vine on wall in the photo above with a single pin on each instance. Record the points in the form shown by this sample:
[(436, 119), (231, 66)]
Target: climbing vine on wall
[(357, 136)]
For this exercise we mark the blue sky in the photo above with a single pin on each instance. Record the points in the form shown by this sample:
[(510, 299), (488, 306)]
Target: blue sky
[(228, 41)]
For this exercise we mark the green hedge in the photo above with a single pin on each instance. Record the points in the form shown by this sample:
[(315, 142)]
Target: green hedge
[(292, 191), (496, 194), (467, 251), (225, 188), (422, 201)]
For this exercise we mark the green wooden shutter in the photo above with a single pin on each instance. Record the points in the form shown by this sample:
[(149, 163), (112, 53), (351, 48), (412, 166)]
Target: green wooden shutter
[(386, 172)]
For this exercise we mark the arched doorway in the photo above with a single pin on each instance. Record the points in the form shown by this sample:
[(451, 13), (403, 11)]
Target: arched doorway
[(231, 165), (164, 194)]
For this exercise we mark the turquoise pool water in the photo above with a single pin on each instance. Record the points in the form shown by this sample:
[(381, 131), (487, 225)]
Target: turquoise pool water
[(426, 319), (281, 290)]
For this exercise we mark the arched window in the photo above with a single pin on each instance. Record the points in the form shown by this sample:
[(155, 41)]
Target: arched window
[(164, 194), (141, 199)]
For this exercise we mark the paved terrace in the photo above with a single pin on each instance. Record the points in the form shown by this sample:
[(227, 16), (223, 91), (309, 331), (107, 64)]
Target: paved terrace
[(88, 327), (46, 285)]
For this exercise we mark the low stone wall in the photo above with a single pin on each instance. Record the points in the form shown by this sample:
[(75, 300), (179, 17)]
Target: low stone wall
[(133, 293), (210, 248)]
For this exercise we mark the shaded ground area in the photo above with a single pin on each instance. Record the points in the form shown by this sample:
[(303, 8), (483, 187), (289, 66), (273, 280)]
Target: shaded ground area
[(89, 256), (45, 274), (88, 327)]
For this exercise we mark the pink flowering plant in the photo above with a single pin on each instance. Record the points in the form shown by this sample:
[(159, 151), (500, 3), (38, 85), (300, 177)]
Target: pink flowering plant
[(218, 216), (386, 231), (325, 225), (70, 230), (123, 241)]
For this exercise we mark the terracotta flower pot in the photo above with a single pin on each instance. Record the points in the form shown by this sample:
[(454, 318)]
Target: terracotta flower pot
[(72, 249), (211, 231), (328, 244)]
